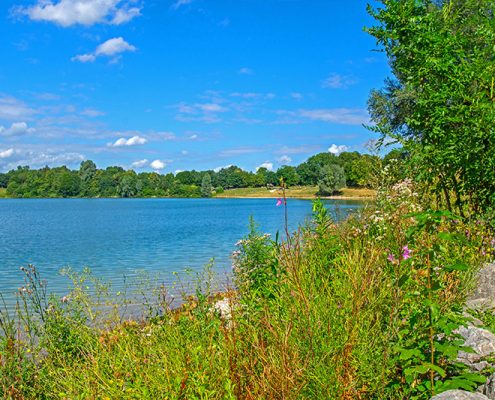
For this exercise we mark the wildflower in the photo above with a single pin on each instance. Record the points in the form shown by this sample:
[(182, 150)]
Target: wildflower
[(279, 202), (65, 299), (406, 253), (391, 258)]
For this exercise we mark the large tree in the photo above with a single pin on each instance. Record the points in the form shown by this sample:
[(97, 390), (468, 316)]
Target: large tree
[(332, 178), (440, 103)]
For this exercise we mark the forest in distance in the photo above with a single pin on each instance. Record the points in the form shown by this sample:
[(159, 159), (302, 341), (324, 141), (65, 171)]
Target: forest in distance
[(328, 171)]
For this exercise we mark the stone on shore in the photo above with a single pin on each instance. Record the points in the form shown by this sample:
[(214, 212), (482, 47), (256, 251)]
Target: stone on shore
[(459, 395), (481, 341)]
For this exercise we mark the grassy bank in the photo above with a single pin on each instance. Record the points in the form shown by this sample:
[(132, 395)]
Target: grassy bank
[(363, 309), (302, 192)]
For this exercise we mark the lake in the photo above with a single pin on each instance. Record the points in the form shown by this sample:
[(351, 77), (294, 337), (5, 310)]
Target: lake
[(126, 237)]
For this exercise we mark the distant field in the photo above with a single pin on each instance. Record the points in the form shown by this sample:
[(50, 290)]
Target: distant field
[(297, 192)]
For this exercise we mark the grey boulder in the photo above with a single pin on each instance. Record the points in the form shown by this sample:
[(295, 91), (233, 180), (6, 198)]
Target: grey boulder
[(481, 341), (459, 395)]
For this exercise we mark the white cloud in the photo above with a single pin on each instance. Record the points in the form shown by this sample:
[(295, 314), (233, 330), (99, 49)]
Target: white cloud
[(158, 165), (6, 153), (184, 152), (246, 71), (337, 149), (84, 58), (285, 159), (133, 141), (346, 116), (211, 107), (13, 109), (240, 151), (122, 15), (16, 129), (193, 137), (139, 163), (112, 47), (180, 3), (81, 12), (268, 165), (204, 112), (177, 171), (337, 81), (296, 95), (37, 158)]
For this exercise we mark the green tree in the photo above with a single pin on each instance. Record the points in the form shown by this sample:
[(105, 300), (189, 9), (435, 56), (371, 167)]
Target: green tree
[(4, 180), (206, 186), (128, 185), (289, 175), (87, 170), (332, 178), (440, 105), (231, 177), (309, 171), (68, 184)]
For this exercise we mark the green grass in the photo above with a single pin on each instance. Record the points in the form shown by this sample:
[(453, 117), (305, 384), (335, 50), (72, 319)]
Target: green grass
[(3, 193)]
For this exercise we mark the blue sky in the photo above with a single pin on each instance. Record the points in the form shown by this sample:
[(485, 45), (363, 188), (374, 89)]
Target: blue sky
[(170, 85)]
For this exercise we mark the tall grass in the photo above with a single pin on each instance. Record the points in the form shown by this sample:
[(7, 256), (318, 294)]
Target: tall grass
[(328, 313)]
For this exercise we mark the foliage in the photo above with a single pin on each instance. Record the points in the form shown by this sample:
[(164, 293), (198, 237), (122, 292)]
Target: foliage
[(440, 104), (89, 181), (332, 178), (206, 186), (289, 175), (255, 264)]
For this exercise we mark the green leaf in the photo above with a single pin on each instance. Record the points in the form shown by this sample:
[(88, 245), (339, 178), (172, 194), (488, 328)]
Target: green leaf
[(457, 267)]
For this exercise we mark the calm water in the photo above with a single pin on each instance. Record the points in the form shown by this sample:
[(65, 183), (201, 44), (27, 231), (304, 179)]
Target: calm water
[(117, 237)]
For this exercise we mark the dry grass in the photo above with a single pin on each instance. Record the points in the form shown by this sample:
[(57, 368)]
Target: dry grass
[(300, 192)]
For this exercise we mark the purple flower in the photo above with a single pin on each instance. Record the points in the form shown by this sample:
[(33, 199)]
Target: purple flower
[(279, 202), (391, 258), (406, 253)]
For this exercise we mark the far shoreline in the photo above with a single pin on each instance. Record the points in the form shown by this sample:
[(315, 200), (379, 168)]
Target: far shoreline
[(299, 192)]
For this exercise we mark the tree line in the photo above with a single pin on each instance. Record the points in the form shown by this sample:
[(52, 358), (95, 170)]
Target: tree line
[(328, 171)]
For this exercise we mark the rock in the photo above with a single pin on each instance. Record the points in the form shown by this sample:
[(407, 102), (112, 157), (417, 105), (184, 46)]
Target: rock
[(484, 295), (488, 389), (481, 341), (459, 395)]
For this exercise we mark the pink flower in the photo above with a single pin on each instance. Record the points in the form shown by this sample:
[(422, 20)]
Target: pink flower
[(406, 253), (391, 258), (279, 202)]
